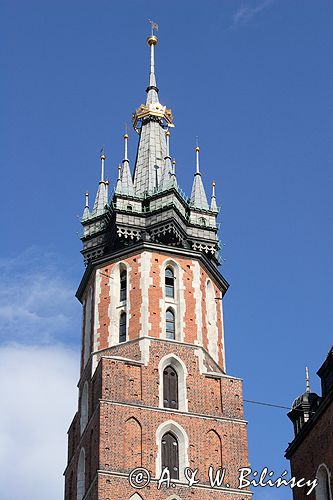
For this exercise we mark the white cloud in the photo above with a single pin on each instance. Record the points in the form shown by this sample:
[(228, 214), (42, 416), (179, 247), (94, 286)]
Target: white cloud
[(38, 401), (245, 13), (38, 316), (37, 303)]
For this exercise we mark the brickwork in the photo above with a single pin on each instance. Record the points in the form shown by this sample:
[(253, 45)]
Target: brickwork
[(126, 413)]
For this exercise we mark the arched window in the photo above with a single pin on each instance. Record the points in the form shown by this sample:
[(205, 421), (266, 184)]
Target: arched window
[(122, 327), (123, 285), (170, 454), (323, 487), (170, 325), (170, 388), (203, 221), (169, 283), (80, 477)]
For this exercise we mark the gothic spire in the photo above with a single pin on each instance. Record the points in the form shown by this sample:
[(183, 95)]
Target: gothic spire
[(118, 183), (198, 194), (213, 204), (86, 213), (102, 193), (150, 121), (126, 176)]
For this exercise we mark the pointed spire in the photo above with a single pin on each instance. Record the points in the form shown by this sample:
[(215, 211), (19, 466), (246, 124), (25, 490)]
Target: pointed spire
[(213, 204), (125, 183), (103, 157), (86, 213), (307, 380), (198, 194), (118, 183), (152, 89), (102, 193)]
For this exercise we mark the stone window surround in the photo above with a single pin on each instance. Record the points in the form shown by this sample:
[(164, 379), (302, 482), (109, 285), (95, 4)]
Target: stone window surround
[(179, 366), (174, 303)]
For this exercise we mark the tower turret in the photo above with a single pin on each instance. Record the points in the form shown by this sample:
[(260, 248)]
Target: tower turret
[(304, 406)]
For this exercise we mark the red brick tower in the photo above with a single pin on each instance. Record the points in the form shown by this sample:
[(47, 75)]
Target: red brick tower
[(153, 388)]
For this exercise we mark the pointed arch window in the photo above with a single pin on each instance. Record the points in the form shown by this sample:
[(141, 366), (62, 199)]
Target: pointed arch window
[(170, 325), (80, 478), (122, 327), (323, 486), (169, 282), (170, 388), (123, 285), (170, 454)]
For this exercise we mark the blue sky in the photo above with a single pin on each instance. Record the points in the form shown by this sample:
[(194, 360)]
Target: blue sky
[(253, 80)]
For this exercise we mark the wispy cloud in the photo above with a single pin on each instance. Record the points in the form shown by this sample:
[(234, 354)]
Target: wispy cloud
[(37, 303), (39, 318), (245, 13)]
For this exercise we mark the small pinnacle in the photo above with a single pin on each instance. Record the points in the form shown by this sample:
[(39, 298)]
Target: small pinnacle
[(307, 380)]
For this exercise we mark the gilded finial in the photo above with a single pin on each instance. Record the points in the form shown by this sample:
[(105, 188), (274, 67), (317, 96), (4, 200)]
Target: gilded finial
[(152, 39)]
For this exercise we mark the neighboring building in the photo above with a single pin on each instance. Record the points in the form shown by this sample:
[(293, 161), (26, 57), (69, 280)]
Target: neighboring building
[(311, 451), (153, 388)]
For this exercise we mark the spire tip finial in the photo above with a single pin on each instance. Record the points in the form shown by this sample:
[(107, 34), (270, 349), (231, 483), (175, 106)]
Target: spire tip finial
[(307, 379)]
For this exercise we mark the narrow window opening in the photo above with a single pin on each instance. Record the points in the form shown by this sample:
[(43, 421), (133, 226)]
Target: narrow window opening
[(123, 285), (170, 454), (169, 282), (170, 325), (170, 388), (122, 327)]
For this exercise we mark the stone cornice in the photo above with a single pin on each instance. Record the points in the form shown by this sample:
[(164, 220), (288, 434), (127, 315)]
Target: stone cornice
[(142, 246)]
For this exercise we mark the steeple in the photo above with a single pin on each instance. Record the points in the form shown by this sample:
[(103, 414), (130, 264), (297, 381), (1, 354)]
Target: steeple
[(213, 204), (150, 206), (198, 194), (150, 121), (101, 199)]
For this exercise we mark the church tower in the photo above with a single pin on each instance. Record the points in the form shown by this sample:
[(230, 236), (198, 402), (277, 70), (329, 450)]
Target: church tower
[(153, 390)]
